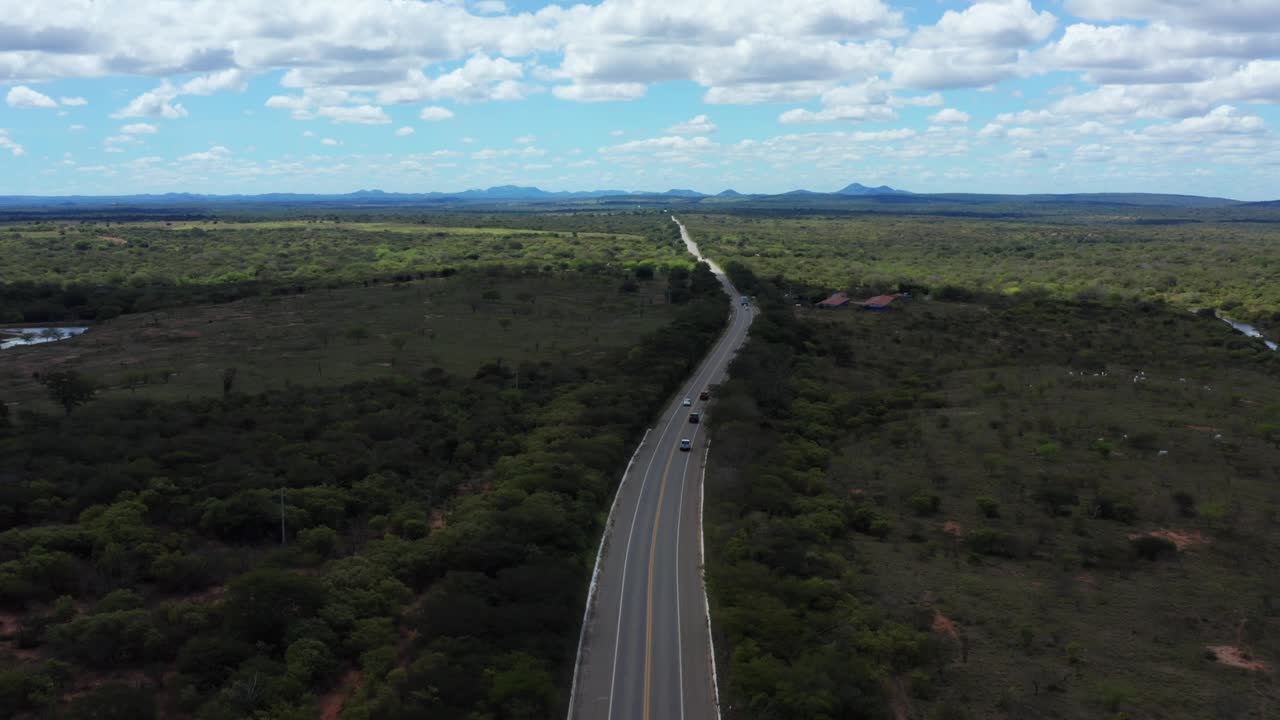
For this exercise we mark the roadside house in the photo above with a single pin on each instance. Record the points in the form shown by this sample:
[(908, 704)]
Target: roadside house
[(839, 300)]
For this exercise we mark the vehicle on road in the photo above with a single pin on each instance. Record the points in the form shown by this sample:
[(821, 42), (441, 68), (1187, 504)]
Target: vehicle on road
[(695, 417), (686, 444), (687, 402), (704, 395)]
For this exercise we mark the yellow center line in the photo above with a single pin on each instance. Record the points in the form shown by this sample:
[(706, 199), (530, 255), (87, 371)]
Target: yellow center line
[(648, 623)]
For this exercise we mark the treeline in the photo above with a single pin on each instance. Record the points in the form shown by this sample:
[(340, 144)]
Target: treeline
[(437, 532), (795, 630)]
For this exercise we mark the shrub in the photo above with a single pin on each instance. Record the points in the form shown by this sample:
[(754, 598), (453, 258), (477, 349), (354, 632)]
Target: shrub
[(1149, 547), (988, 507), (987, 541), (924, 504)]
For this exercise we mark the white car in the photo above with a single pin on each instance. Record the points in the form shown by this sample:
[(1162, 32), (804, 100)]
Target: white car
[(686, 444), (687, 402)]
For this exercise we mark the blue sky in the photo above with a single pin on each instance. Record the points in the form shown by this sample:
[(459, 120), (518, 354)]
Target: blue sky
[(234, 96)]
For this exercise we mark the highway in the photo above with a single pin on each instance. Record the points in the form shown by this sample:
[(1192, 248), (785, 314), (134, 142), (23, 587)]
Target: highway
[(645, 650)]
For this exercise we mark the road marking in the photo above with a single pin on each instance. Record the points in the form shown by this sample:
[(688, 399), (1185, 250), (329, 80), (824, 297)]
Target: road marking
[(653, 550)]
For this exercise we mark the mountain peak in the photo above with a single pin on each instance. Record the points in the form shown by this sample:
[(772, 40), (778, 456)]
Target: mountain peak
[(860, 189)]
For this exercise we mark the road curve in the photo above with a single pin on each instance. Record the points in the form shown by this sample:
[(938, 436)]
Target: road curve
[(645, 651)]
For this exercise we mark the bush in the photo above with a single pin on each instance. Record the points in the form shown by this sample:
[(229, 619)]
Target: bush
[(988, 507), (924, 504), (114, 702), (1149, 547), (1186, 503), (987, 541)]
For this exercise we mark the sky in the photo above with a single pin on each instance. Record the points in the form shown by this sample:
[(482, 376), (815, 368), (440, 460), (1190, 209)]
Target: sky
[(106, 97)]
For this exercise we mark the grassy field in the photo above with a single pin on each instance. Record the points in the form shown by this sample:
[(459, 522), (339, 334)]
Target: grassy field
[(333, 337), (1234, 267), (1076, 502)]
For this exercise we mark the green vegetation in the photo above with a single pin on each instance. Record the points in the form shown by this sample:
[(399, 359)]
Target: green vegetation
[(1227, 265), (994, 509), (344, 492), (64, 271), (338, 336)]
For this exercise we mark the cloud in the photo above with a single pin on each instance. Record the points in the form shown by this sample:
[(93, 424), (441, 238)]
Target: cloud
[(979, 46), (949, 116), (490, 7), (154, 103), (330, 142), (600, 92), (72, 101), (139, 129), (698, 125), (357, 115), (21, 97), (7, 143), (870, 100), (669, 144), (404, 131), (481, 77), (435, 113), (213, 154), (525, 139), (229, 79), (1237, 15)]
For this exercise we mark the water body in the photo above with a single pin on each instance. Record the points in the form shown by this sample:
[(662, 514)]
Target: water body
[(13, 337), (1249, 330)]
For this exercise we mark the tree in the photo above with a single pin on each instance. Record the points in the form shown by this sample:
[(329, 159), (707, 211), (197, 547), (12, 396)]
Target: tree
[(358, 334), (69, 388)]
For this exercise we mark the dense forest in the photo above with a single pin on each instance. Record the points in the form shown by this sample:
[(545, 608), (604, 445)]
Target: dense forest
[(1230, 266), (996, 506), (397, 548)]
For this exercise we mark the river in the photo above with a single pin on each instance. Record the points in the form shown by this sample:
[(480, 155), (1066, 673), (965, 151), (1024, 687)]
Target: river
[(1249, 330)]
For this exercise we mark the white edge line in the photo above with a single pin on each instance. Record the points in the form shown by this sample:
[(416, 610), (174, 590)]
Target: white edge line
[(702, 572), (595, 573)]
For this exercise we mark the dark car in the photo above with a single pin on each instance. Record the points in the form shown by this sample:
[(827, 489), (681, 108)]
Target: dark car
[(704, 395), (695, 417)]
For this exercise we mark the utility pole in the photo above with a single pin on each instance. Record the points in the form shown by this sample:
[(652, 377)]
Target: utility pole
[(282, 540)]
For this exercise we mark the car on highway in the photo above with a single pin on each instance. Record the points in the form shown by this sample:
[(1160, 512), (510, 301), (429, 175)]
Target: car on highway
[(704, 395), (686, 444), (687, 402), (695, 417)]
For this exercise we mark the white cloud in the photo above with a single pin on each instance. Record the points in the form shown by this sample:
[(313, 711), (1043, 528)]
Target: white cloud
[(154, 103), (490, 7), (1238, 15), (139, 129), (617, 133), (669, 144), (435, 113), (404, 131), (22, 97), (76, 127), (7, 143), (949, 116), (481, 77), (525, 139), (697, 125), (979, 46), (307, 133), (229, 79), (357, 114), (330, 142), (213, 154), (868, 101), (72, 101), (600, 92)]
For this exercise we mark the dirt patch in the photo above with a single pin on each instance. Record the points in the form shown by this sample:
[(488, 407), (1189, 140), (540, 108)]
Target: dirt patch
[(114, 240), (899, 698), (331, 702), (1087, 581), (1235, 657), (953, 528), (944, 625), (1182, 538), (1202, 428)]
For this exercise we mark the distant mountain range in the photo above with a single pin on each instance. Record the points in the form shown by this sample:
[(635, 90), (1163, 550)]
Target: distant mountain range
[(856, 194)]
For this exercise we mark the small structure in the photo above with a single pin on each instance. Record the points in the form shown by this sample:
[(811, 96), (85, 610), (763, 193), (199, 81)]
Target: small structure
[(880, 302), (839, 300)]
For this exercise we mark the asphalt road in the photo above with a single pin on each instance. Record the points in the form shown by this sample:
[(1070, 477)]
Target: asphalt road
[(646, 648)]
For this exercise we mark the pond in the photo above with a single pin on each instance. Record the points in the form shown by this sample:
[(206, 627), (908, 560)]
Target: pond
[(13, 337)]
